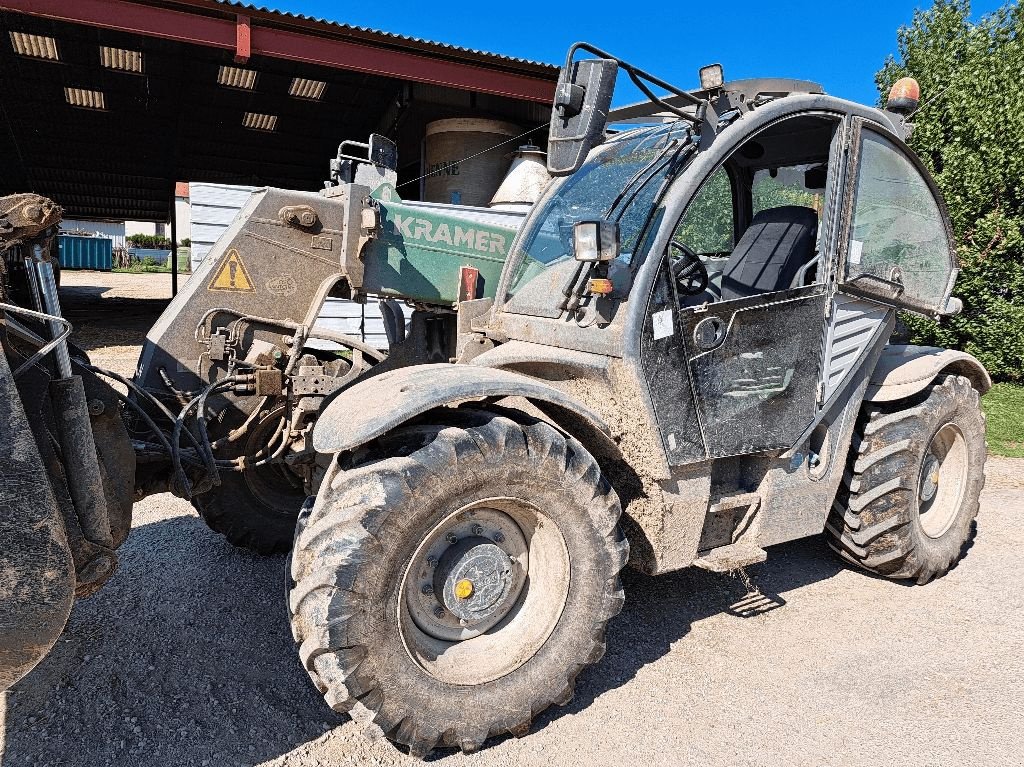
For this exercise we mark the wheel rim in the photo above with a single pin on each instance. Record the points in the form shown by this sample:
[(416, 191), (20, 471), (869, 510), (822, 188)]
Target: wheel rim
[(943, 479), (484, 591), (275, 485)]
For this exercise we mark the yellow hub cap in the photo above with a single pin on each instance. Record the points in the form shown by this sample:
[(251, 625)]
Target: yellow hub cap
[(464, 589)]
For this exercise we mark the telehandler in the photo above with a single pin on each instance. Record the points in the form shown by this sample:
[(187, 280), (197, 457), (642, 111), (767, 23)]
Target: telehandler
[(681, 356)]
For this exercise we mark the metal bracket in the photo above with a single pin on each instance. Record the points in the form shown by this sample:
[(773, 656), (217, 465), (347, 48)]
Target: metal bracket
[(306, 385), (218, 346)]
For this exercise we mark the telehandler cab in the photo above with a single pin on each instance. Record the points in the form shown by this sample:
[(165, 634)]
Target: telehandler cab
[(680, 356)]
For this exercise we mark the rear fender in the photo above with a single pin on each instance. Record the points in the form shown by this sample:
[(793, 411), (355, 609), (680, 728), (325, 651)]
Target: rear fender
[(905, 370), (376, 405)]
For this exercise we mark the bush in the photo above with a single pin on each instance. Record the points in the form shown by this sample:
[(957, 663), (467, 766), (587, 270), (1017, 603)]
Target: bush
[(969, 131), (149, 242)]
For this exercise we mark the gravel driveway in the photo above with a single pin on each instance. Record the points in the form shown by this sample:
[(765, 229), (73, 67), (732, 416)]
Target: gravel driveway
[(185, 658)]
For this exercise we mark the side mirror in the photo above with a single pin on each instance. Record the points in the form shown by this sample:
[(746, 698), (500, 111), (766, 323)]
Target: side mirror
[(382, 151), (595, 242), (579, 113)]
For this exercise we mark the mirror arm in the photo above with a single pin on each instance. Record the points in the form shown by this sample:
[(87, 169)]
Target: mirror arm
[(638, 75), (696, 119)]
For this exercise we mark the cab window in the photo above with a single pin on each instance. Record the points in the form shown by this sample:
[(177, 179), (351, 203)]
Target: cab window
[(898, 240), (790, 185), (707, 226), (755, 223)]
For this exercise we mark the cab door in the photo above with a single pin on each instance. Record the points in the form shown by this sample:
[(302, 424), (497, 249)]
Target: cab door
[(753, 361)]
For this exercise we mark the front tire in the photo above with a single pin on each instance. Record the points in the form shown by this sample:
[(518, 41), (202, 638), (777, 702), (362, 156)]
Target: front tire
[(912, 486), (453, 591)]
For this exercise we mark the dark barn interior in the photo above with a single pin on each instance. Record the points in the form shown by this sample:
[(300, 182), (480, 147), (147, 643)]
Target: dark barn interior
[(107, 103)]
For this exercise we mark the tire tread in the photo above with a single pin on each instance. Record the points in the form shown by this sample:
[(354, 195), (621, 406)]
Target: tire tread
[(335, 537)]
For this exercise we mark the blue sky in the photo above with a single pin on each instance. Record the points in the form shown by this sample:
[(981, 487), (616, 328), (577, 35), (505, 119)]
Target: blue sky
[(840, 45)]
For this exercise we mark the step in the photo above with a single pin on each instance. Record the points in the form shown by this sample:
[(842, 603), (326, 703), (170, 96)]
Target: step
[(732, 557)]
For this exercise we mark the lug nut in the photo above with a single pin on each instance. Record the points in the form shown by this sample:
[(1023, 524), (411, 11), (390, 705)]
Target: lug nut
[(477, 530), (431, 561), (499, 537), (426, 588), (451, 538), (439, 612)]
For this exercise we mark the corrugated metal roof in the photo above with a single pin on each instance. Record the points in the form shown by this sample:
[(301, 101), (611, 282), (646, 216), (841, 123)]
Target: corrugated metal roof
[(383, 35)]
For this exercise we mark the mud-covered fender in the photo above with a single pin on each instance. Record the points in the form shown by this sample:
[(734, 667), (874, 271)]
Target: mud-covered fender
[(904, 370), (377, 405)]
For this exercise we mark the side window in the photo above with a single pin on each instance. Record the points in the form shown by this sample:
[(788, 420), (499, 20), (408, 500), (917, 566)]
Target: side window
[(707, 226), (898, 235)]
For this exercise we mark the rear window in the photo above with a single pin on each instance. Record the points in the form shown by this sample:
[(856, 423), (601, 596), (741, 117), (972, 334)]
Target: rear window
[(777, 187)]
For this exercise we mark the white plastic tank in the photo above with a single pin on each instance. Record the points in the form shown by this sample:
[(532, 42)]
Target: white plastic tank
[(463, 162), (524, 182)]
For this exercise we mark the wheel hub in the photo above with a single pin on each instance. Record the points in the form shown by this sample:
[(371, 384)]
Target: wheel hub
[(474, 579), (943, 480), (929, 479), (468, 575)]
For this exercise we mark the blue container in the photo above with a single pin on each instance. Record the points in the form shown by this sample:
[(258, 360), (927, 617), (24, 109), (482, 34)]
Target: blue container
[(86, 252)]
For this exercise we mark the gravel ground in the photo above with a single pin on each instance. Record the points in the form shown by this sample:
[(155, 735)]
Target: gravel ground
[(185, 658)]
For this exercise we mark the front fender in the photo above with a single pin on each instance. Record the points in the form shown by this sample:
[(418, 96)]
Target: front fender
[(904, 370), (377, 405)]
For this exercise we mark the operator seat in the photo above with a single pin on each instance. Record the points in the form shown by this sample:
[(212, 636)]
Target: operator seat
[(769, 255)]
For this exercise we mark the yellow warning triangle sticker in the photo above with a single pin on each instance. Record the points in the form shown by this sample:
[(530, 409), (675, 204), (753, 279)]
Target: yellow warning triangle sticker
[(232, 275)]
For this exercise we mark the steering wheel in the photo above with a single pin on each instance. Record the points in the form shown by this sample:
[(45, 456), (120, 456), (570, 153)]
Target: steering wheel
[(688, 270)]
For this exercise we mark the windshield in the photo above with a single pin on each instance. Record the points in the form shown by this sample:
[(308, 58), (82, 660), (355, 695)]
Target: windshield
[(620, 182)]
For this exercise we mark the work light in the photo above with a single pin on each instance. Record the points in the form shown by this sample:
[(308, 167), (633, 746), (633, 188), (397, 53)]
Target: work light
[(596, 241)]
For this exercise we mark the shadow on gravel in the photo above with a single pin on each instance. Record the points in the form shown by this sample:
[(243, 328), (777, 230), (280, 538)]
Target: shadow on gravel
[(660, 610), (184, 658), (102, 321)]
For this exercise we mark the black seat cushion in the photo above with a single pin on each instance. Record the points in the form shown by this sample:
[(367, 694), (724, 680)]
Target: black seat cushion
[(770, 253)]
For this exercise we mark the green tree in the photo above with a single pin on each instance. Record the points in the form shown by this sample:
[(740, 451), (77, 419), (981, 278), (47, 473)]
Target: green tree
[(969, 131)]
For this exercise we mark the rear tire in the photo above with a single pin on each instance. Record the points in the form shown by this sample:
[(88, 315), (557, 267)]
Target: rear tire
[(375, 554), (911, 489), (254, 509)]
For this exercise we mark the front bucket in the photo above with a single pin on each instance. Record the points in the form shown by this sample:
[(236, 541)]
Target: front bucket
[(37, 576)]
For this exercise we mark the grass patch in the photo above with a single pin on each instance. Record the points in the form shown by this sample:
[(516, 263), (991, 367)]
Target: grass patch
[(142, 267), (1004, 409)]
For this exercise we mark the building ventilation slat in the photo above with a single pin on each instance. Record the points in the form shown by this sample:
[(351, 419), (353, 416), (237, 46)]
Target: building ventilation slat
[(119, 58), (81, 97), (36, 46), (237, 77), (306, 89), (258, 121)]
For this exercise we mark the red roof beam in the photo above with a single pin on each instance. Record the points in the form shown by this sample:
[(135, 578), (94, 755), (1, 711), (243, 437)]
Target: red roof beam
[(269, 41), (243, 39)]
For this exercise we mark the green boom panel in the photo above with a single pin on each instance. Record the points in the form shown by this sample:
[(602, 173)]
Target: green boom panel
[(423, 247)]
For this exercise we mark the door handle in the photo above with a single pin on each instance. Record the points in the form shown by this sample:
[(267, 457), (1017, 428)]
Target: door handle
[(709, 333)]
